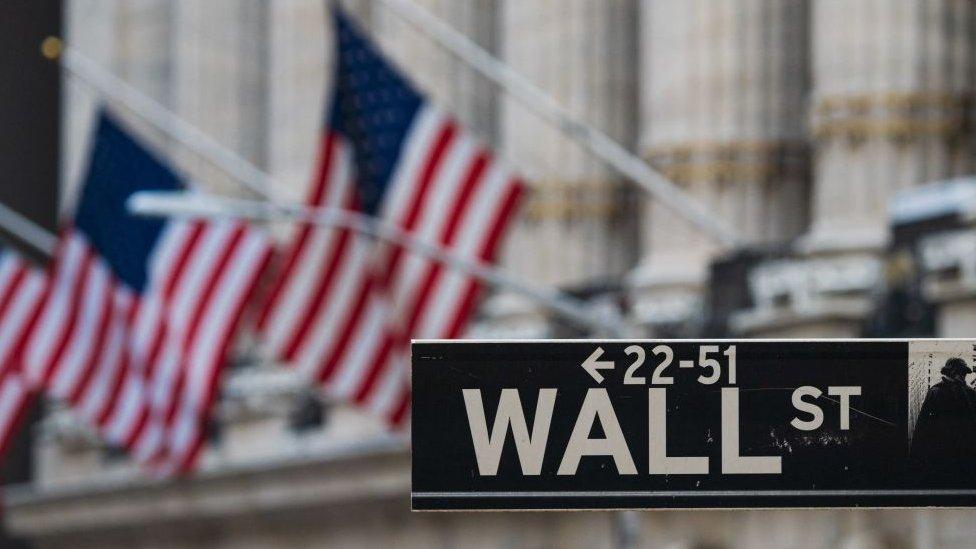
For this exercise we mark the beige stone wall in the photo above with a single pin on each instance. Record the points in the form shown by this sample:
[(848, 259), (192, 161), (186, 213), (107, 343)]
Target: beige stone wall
[(298, 56), (359, 499), (220, 80), (389, 524), (357, 496), (723, 91), (891, 108), (724, 86), (576, 227), (205, 61), (893, 90), (725, 112)]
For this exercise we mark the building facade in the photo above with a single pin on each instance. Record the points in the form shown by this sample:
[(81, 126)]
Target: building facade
[(796, 122)]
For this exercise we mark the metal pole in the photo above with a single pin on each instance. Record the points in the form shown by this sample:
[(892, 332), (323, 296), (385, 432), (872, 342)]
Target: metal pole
[(189, 136), (540, 103), (205, 147), (627, 529), (197, 205), (626, 523), (924, 530), (26, 230)]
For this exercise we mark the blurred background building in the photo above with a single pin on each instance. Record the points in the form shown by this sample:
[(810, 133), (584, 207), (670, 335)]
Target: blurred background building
[(835, 136)]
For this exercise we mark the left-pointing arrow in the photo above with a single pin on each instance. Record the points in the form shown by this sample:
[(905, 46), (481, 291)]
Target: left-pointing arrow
[(593, 365)]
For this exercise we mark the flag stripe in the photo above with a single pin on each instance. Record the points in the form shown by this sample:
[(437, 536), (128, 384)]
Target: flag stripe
[(294, 256), (107, 364), (87, 315), (14, 401), (488, 252), (22, 290), (301, 302), (149, 321), (322, 339), (402, 410), (12, 283), (19, 320), (96, 346), (55, 324), (141, 367), (73, 312), (369, 336), (424, 131), (206, 349), (12, 277), (351, 323), (200, 290), (438, 179), (383, 363), (250, 257), (443, 199), (161, 360), (427, 282), (390, 383), (344, 308), (315, 301), (444, 140), (480, 218)]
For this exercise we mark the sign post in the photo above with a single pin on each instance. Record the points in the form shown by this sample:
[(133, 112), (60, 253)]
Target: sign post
[(693, 424)]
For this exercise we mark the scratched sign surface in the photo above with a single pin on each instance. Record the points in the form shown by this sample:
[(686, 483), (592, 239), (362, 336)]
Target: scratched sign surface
[(692, 424)]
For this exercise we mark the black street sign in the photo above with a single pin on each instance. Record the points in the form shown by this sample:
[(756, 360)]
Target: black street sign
[(693, 424)]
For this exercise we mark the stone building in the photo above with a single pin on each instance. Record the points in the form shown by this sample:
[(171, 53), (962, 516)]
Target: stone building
[(797, 122)]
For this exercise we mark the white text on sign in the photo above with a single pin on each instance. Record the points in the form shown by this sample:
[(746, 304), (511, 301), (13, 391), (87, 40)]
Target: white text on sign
[(714, 364)]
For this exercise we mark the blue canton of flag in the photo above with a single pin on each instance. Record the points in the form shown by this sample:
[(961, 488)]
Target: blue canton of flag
[(372, 108), (140, 313), (345, 307), (119, 167)]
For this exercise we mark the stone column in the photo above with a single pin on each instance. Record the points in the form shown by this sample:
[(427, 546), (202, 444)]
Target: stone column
[(723, 86), (575, 227), (220, 50), (143, 46), (131, 39), (299, 57), (892, 108), (894, 90)]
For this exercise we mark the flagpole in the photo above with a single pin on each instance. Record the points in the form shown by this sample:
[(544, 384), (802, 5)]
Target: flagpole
[(176, 128), (197, 205), (597, 142), (543, 105), (26, 230), (198, 142)]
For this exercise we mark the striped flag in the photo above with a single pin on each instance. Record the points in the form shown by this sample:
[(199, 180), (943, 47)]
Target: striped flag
[(345, 307), (21, 292), (137, 323)]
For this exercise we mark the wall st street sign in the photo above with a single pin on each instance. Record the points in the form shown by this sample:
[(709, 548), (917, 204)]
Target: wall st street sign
[(693, 424)]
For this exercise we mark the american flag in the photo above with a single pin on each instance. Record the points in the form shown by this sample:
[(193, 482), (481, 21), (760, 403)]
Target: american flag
[(345, 308), (140, 313), (21, 291)]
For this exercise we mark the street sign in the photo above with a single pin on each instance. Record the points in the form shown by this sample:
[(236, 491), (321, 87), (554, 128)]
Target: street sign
[(693, 424)]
